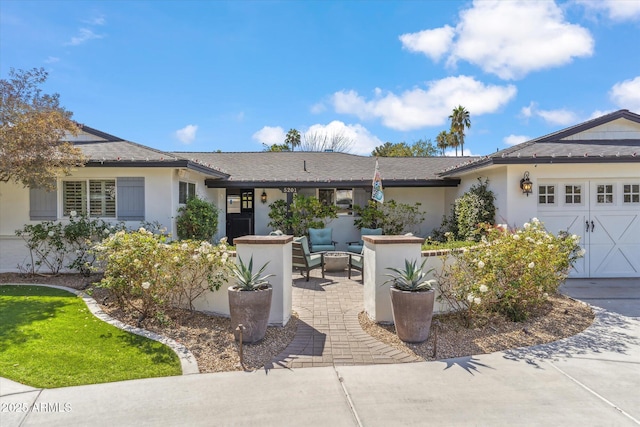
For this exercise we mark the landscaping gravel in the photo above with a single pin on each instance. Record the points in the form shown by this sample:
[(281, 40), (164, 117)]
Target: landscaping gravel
[(211, 341)]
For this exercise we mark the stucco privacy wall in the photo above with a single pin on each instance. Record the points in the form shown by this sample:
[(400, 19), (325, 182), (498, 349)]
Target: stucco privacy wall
[(160, 205)]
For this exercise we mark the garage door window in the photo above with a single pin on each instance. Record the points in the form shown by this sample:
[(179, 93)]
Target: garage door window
[(604, 194), (631, 193), (546, 194), (573, 194)]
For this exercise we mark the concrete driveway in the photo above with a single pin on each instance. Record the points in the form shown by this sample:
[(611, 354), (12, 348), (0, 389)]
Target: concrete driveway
[(620, 296), (588, 379)]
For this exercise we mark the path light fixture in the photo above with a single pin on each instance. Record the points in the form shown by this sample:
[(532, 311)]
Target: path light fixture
[(263, 197), (526, 185)]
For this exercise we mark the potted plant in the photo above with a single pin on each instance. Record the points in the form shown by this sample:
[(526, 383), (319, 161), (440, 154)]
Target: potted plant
[(249, 301), (412, 299)]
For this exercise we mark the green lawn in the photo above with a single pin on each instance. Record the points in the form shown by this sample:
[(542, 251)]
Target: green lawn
[(49, 338)]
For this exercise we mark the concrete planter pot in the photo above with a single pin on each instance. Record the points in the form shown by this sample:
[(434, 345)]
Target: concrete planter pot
[(412, 314), (251, 309)]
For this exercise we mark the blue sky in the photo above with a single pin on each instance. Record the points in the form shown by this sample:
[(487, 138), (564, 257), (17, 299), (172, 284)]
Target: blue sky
[(216, 75)]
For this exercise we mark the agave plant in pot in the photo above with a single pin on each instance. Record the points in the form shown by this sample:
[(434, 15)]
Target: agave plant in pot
[(412, 299), (249, 301)]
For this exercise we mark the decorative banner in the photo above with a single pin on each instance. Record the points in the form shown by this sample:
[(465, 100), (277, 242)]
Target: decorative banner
[(377, 194)]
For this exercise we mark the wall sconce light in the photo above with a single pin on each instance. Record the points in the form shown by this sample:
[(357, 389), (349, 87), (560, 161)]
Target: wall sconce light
[(263, 197), (526, 185)]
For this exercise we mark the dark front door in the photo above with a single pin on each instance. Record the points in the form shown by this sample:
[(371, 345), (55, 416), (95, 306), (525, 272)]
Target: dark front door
[(239, 213)]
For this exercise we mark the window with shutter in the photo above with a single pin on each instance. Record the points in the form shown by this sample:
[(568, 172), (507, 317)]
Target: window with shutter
[(43, 204), (74, 197), (102, 198), (95, 197), (130, 199)]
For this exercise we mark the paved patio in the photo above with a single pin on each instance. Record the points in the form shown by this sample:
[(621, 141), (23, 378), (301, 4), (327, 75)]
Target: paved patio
[(329, 333)]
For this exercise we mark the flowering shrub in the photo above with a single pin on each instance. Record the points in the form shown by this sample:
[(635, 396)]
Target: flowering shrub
[(474, 207), (509, 272), (198, 219), (147, 274), (51, 243)]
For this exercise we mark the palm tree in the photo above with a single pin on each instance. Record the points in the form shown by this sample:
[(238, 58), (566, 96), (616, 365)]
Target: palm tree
[(459, 120), (442, 141), (293, 138), (453, 141)]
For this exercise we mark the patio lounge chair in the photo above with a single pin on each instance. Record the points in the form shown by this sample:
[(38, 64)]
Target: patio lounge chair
[(321, 240), (302, 259), (356, 262), (356, 247)]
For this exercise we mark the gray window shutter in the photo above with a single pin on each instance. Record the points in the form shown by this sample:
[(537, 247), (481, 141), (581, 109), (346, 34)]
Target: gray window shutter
[(130, 198), (43, 204)]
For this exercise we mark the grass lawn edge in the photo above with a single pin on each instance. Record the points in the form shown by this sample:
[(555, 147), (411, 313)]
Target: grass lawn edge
[(188, 362)]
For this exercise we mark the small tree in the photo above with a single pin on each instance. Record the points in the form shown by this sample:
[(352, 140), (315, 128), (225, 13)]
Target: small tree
[(32, 128), (392, 217), (420, 148), (305, 212), (197, 220), (473, 208)]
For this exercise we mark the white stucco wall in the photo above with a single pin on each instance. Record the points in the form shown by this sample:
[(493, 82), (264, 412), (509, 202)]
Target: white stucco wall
[(515, 208), (433, 203), (161, 195), (344, 231)]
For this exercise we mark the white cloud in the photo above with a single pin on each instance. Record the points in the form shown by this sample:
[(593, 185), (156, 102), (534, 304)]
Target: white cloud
[(555, 117), (84, 35), (507, 38), (452, 153), (363, 141), (528, 111), (599, 113), (626, 94), (433, 43), (515, 139), (52, 60), (417, 108), (318, 108), (270, 135), (558, 117), (187, 134), (98, 20), (617, 10)]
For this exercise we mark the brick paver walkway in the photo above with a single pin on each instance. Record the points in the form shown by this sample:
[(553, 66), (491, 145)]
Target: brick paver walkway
[(329, 332)]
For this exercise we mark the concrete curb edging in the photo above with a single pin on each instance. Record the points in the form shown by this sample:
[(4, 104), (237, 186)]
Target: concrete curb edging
[(188, 362)]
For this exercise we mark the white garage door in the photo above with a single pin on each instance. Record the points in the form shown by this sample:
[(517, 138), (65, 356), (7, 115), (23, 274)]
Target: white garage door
[(605, 214)]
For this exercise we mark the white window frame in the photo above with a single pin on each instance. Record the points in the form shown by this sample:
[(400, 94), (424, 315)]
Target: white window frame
[(572, 195), (87, 199), (189, 184), (334, 199), (633, 193), (613, 201), (546, 195)]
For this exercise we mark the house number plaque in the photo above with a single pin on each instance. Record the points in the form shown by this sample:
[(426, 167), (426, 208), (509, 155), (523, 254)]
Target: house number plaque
[(289, 189)]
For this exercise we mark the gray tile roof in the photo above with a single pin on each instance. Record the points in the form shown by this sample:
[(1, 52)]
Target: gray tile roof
[(108, 150), (322, 167), (557, 148)]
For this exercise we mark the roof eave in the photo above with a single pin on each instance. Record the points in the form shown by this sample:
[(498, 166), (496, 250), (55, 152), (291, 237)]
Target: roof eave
[(332, 184), (185, 164)]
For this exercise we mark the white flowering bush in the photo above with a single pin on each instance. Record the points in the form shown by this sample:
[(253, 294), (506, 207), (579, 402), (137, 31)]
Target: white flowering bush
[(147, 274), (510, 272), (54, 245)]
